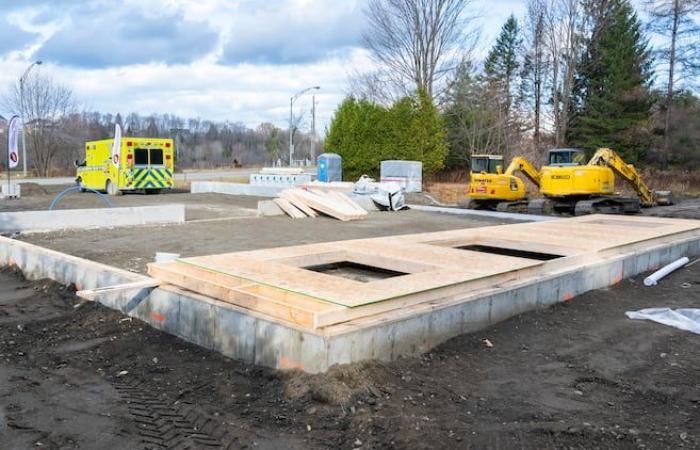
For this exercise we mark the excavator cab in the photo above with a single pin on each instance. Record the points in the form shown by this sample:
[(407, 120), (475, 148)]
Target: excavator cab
[(565, 157), (487, 164)]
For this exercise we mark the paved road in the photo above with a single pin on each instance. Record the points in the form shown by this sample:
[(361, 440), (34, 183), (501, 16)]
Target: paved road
[(186, 176)]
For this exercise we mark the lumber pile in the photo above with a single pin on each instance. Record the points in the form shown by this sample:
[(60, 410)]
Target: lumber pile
[(302, 203)]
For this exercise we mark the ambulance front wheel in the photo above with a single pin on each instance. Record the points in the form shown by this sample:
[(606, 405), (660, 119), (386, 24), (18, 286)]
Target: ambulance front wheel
[(112, 188)]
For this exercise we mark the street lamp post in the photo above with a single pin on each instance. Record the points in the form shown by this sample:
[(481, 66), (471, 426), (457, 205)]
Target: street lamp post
[(292, 99), (22, 80)]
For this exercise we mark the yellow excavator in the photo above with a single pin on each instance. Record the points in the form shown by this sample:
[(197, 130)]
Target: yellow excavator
[(570, 185), (492, 188), (567, 183)]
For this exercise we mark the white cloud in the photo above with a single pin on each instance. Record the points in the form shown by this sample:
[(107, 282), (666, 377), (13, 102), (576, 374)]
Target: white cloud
[(243, 93), (244, 89)]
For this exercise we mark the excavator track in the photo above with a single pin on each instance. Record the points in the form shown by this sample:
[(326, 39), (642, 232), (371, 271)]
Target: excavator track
[(541, 207), (513, 207), (608, 205)]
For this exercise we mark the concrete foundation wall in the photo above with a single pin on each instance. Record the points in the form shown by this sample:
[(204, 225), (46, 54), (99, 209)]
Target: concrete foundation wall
[(200, 187), (255, 339), (38, 262), (484, 213), (39, 221)]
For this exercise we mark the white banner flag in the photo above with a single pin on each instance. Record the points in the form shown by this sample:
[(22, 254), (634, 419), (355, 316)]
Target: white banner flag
[(14, 128), (117, 145)]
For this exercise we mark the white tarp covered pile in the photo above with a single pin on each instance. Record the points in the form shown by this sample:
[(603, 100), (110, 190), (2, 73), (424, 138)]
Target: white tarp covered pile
[(687, 319), (388, 196)]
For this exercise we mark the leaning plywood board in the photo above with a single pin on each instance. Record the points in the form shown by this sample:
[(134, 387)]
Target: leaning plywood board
[(291, 197), (328, 205), (343, 199), (289, 209), (411, 270)]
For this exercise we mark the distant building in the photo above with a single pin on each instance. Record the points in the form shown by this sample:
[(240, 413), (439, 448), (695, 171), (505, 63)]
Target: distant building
[(39, 124)]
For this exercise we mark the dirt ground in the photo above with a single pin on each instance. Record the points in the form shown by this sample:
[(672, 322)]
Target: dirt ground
[(685, 208), (578, 375)]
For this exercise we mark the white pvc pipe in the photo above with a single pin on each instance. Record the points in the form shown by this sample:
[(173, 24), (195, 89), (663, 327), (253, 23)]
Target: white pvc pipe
[(653, 279)]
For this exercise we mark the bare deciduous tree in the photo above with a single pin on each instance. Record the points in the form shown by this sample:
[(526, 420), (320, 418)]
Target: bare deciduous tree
[(45, 105), (565, 22), (417, 42), (535, 60), (674, 21)]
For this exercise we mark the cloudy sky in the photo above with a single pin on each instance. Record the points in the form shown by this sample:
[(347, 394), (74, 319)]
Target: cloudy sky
[(215, 59)]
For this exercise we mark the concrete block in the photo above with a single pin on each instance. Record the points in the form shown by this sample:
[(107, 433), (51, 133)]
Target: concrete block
[(41, 221), (278, 347), (444, 324), (196, 324), (410, 336), (374, 343), (199, 187), (476, 314), (268, 208), (158, 307), (236, 338), (288, 180), (12, 190), (314, 356)]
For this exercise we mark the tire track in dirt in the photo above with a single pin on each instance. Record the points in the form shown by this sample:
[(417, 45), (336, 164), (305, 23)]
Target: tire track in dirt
[(173, 426)]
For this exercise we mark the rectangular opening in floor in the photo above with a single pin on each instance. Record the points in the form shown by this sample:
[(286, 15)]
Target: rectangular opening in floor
[(355, 271), (509, 252)]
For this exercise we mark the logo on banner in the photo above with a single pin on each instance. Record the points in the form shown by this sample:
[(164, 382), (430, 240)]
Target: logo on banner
[(117, 145), (14, 129)]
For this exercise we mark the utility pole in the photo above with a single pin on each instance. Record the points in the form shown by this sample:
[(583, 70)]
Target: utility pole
[(291, 120), (22, 80), (313, 129), (291, 130)]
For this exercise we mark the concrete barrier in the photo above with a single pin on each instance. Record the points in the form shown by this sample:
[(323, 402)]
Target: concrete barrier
[(482, 213), (41, 221), (201, 187)]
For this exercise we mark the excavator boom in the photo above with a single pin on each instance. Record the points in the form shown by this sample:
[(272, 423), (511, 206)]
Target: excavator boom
[(606, 156), (523, 165)]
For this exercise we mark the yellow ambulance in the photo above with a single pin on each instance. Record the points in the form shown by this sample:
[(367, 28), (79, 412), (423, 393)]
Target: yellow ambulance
[(140, 164)]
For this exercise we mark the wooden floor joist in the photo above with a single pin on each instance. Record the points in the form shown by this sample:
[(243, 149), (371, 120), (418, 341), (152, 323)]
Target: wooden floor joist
[(348, 282)]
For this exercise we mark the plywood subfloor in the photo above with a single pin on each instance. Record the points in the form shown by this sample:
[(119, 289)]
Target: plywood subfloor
[(285, 284)]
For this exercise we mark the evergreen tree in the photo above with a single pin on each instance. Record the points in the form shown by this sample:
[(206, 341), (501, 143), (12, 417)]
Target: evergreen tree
[(502, 64), (612, 102), (365, 134), (356, 133)]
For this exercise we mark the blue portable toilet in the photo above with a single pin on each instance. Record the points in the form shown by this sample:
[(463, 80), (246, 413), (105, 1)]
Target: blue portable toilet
[(330, 167)]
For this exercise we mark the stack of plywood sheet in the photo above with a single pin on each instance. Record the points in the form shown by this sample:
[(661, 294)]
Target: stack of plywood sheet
[(358, 282), (301, 203)]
